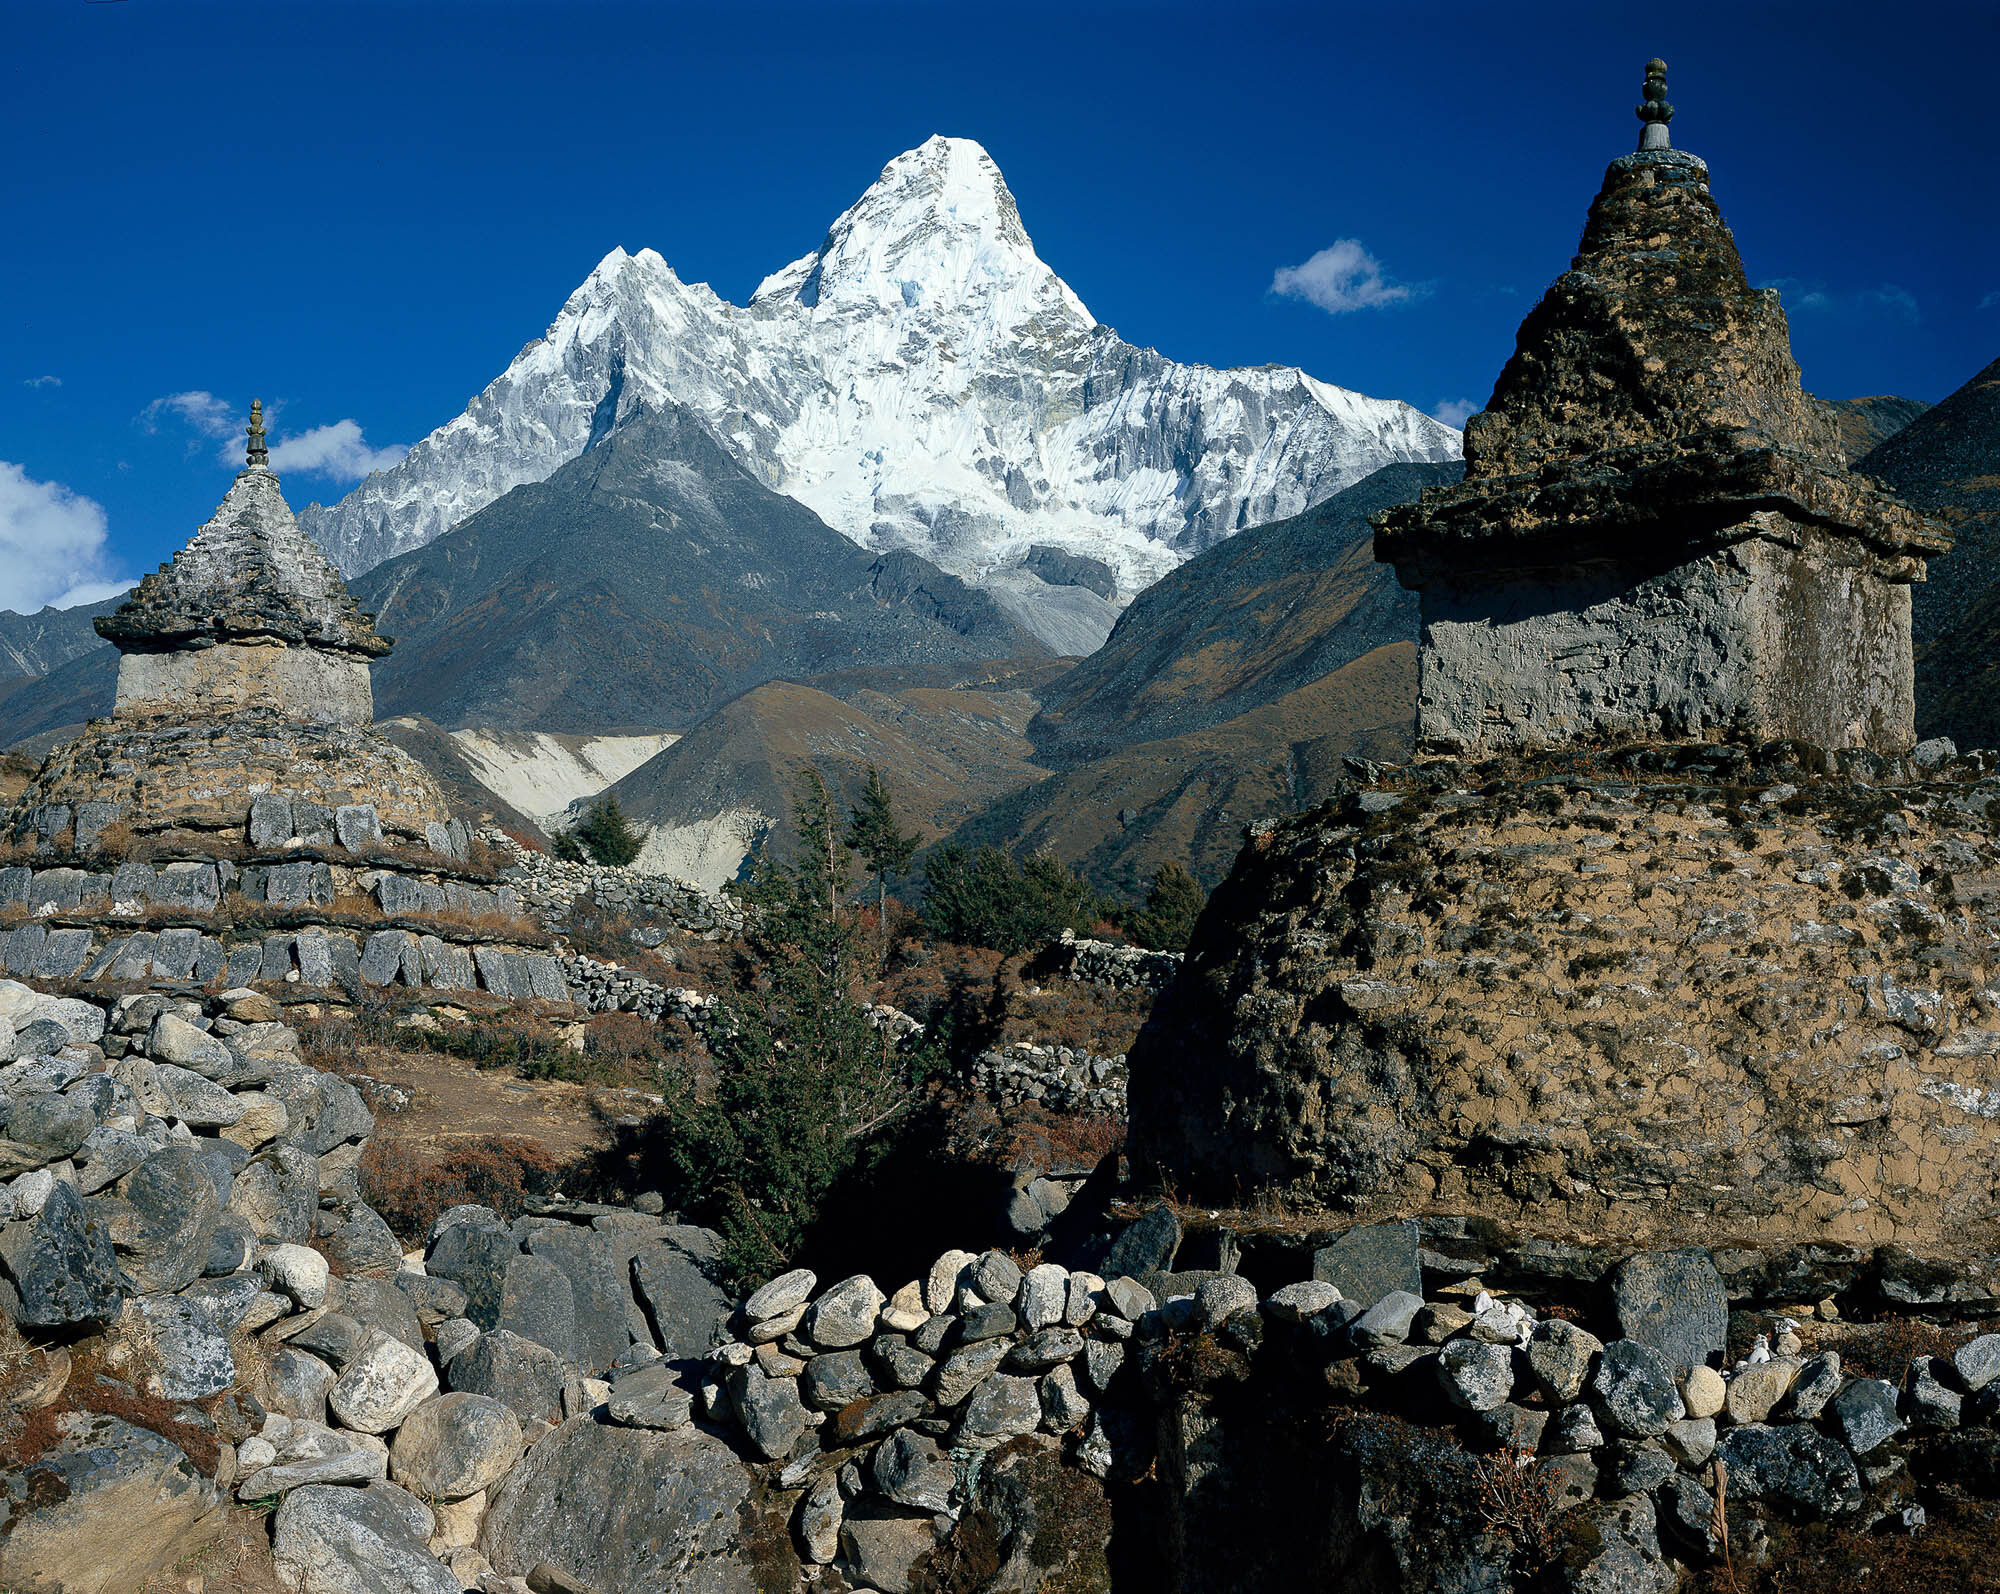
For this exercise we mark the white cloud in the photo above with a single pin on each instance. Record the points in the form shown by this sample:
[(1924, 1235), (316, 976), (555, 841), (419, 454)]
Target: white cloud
[(338, 451), (203, 412), (1455, 412), (1343, 277), (1990, 302), (41, 381), (51, 545)]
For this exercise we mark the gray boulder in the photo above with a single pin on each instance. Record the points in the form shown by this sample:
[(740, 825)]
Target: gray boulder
[(685, 1309), (1864, 1414), (175, 1209), (473, 1254), (769, 1409), (600, 1292), (455, 1445), (839, 1378), (277, 1195), (1371, 1261), (362, 1244), (295, 1383), (627, 1509), (380, 1304), (911, 1470), (537, 1303), (881, 1543), (1475, 1375), (527, 1376), (61, 1265), (331, 1540), (101, 1512), (1634, 1390), (194, 1359), (1619, 1552), (1673, 1301), (845, 1314), (1793, 1467)]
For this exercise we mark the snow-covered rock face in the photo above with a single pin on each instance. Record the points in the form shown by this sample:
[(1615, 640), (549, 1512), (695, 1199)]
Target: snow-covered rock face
[(921, 380)]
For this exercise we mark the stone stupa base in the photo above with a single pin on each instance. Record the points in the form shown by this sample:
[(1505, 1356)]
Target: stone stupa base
[(166, 780)]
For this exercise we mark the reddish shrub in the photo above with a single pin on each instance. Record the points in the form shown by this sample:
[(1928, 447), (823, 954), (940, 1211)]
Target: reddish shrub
[(410, 1182)]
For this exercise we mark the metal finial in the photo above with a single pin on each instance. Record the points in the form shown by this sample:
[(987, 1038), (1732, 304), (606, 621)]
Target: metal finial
[(1655, 112), (259, 454)]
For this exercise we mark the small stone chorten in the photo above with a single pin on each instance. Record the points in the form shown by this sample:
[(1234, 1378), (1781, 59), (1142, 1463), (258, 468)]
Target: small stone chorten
[(243, 682), (249, 615), (1657, 536)]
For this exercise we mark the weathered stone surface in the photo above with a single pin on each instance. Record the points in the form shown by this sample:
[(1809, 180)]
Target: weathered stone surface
[(686, 1310), (537, 1303), (61, 1265), (277, 1194), (1755, 1390), (781, 1295), (1476, 1375), (382, 1386), (845, 1314), (1620, 1552), (455, 1446), (769, 1409), (1560, 1354), (1371, 1261), (362, 1245), (600, 1296), (1674, 1302), (100, 1512), (1251, 1028), (1389, 1320), (836, 1379), (1794, 1467), (961, 1371), (1001, 1407), (1864, 1414), (626, 1509), (527, 1376), (1148, 1245), (329, 1540), (1633, 1389), (175, 1207), (911, 1470), (296, 1383)]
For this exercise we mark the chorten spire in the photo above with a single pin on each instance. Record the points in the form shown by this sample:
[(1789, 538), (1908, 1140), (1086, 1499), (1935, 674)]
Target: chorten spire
[(1655, 112), (260, 456)]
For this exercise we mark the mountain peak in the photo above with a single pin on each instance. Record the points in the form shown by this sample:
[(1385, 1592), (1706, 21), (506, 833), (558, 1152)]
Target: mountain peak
[(938, 227)]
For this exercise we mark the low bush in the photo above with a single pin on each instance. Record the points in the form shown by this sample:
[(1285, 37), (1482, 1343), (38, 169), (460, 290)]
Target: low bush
[(984, 898)]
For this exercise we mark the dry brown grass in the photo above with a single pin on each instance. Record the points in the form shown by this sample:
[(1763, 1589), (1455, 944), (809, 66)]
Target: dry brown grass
[(410, 1183), (232, 1556)]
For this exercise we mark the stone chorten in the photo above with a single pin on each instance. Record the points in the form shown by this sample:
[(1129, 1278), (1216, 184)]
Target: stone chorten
[(243, 676), (248, 615), (1657, 536)]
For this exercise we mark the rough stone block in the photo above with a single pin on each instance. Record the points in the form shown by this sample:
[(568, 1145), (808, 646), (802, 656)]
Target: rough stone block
[(173, 954), (270, 824), (312, 823), (1371, 1261), (19, 948), (242, 964), (494, 972), (63, 954), (358, 826), (382, 959), (92, 820), (315, 957)]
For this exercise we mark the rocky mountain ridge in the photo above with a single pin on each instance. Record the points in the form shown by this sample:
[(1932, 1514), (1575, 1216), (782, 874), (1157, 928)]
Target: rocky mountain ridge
[(923, 381)]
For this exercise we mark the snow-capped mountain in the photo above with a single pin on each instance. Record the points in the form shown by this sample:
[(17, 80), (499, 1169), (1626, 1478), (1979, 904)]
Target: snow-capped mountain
[(921, 380)]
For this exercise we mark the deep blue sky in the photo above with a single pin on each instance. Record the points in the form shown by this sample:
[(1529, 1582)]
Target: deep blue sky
[(364, 211)]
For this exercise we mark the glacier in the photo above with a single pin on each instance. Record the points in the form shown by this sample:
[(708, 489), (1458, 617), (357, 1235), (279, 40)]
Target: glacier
[(921, 380)]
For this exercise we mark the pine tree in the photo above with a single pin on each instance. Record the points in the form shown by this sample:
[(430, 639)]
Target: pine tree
[(872, 832), (1173, 903), (607, 835), (806, 1089)]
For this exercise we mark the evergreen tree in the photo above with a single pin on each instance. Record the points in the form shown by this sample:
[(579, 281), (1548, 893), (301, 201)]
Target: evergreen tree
[(807, 1091), (872, 832), (607, 835), (1173, 903), (984, 898), (564, 846)]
